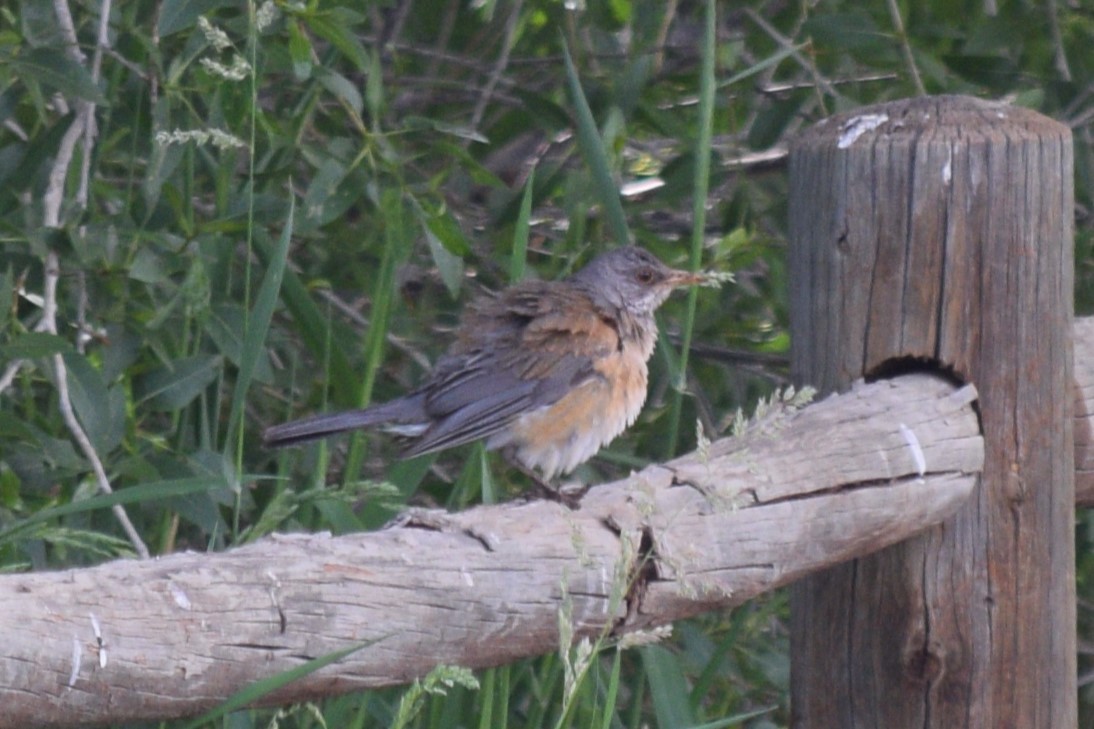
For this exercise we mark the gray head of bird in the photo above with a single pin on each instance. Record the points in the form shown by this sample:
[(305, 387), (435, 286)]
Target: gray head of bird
[(633, 279)]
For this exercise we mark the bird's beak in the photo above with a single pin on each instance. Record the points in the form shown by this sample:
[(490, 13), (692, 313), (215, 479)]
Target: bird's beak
[(677, 278)]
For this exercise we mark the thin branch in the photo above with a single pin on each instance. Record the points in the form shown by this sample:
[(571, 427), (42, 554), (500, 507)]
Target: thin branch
[(1060, 60), (767, 77), (444, 34), (88, 449), (90, 125), (662, 35), (822, 83), (905, 47), (68, 414), (83, 126), (9, 374), (354, 315), (13, 126), (55, 189), (499, 66), (68, 31)]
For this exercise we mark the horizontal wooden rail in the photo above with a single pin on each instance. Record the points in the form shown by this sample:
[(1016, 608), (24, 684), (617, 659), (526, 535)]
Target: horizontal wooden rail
[(798, 491), (1084, 411)]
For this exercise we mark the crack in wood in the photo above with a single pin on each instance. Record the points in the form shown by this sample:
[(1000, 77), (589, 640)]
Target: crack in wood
[(743, 498), (480, 538), (436, 520), (851, 487), (644, 572)]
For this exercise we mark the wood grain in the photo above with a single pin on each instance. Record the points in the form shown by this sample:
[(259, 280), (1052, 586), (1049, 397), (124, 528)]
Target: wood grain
[(938, 232)]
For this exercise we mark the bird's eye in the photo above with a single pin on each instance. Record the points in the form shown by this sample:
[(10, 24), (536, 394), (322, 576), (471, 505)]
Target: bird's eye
[(644, 275)]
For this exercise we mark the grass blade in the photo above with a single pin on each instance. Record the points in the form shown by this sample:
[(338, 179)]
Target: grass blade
[(592, 148), (313, 327), (258, 325), (613, 689), (736, 719), (258, 689), (396, 240), (143, 493), (520, 231), (668, 687), (754, 69), (699, 211)]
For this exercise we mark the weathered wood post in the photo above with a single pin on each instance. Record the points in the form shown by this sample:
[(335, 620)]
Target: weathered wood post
[(940, 229)]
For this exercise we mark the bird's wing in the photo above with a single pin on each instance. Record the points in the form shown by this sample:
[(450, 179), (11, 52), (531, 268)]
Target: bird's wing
[(517, 353)]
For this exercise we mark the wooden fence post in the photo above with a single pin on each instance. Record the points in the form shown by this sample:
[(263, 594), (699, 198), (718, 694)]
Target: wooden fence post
[(940, 229)]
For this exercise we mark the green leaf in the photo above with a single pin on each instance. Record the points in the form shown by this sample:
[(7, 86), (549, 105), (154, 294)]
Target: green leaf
[(520, 231), (163, 159), (226, 328), (754, 69), (332, 28), (101, 409), (475, 480), (447, 245), (50, 66), (341, 87), (149, 266), (374, 87), (9, 101), (312, 326), (770, 124), (11, 157), (7, 290), (853, 30), (176, 15), (449, 266), (175, 386), (38, 23), (33, 345), (300, 51), (324, 200), (543, 111), (143, 493), (474, 169), (668, 687), (423, 123), (592, 148), (613, 687), (254, 340)]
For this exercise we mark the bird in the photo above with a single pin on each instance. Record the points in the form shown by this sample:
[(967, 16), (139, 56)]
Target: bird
[(547, 372)]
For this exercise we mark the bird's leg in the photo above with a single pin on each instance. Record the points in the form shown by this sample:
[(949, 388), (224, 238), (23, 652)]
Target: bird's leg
[(544, 489)]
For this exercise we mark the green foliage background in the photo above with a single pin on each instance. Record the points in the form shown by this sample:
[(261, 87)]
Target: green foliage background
[(398, 140)]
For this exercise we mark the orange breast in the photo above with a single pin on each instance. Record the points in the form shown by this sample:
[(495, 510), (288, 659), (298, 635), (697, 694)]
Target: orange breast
[(558, 438)]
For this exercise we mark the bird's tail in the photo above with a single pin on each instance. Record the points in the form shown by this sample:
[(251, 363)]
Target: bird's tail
[(320, 426)]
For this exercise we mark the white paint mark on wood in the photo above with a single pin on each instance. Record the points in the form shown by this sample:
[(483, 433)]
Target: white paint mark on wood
[(179, 595), (77, 658), (859, 125), (917, 451), (100, 644)]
